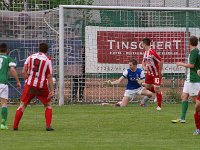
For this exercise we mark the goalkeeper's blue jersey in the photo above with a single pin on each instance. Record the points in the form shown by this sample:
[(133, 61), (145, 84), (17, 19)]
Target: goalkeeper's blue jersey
[(132, 76)]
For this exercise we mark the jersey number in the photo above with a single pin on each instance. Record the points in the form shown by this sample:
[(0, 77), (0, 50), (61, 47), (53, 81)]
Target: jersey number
[(1, 61), (36, 64), (157, 80)]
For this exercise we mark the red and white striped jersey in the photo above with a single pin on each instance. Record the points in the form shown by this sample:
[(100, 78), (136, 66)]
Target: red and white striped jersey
[(39, 66), (151, 58)]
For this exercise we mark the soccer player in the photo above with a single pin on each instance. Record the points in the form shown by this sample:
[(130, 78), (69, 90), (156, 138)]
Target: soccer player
[(135, 77), (192, 82), (197, 113), (6, 63), (37, 72), (152, 64)]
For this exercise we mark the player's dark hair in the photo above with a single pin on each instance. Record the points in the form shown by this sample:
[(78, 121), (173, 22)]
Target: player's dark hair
[(43, 47), (146, 41), (193, 40), (3, 48), (133, 61)]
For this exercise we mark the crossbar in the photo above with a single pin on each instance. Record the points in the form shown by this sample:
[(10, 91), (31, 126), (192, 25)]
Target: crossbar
[(130, 8)]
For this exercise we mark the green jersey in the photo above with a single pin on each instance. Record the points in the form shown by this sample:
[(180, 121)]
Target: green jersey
[(5, 63), (194, 58)]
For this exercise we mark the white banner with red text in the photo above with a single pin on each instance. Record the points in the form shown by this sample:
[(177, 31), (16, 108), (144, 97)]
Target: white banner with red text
[(109, 49)]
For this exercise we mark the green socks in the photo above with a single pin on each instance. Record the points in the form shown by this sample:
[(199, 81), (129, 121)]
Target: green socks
[(184, 109), (4, 115)]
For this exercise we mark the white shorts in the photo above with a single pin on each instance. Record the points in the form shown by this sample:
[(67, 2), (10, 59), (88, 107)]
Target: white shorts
[(4, 91), (191, 88), (132, 93)]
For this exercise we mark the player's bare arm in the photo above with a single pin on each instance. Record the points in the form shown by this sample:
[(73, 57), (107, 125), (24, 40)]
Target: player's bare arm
[(15, 75), (50, 83), (198, 72), (144, 65), (140, 81), (185, 65), (160, 67), (25, 72), (118, 81)]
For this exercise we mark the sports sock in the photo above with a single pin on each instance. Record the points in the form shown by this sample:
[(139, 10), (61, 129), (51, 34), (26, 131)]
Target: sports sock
[(18, 116), (4, 115), (197, 119), (48, 116), (159, 99), (184, 109), (145, 98)]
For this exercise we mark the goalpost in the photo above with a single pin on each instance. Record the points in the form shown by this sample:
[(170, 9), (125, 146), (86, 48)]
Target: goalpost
[(111, 35)]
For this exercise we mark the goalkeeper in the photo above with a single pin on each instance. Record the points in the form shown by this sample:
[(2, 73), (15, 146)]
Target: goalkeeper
[(135, 77)]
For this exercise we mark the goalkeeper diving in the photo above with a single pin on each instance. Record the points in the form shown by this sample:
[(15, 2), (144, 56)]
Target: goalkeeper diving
[(135, 77)]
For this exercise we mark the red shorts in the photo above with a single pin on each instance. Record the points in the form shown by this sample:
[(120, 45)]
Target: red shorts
[(155, 80), (30, 92)]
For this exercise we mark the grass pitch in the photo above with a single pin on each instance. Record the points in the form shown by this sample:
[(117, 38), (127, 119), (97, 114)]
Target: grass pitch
[(92, 127)]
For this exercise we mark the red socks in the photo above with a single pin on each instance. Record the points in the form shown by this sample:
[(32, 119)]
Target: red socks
[(48, 116), (18, 116), (197, 119), (159, 99), (158, 96)]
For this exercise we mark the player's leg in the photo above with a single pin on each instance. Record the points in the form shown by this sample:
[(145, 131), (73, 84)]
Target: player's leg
[(25, 99), (149, 84), (48, 116), (189, 89), (197, 116), (184, 103), (81, 87), (143, 102), (147, 94), (196, 98), (149, 81), (184, 108), (4, 113), (75, 88), (158, 96), (154, 86), (4, 106), (123, 102), (157, 82), (127, 97), (18, 115), (43, 97)]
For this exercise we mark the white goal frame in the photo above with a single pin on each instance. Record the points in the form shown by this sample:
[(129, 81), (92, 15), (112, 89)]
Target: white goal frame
[(61, 31)]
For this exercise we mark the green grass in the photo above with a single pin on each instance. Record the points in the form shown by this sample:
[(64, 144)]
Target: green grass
[(92, 127)]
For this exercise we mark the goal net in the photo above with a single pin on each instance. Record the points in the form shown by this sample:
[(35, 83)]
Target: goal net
[(97, 42), (23, 31)]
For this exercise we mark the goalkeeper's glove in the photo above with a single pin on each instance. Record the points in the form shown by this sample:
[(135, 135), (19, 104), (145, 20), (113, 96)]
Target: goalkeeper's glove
[(108, 83), (139, 81)]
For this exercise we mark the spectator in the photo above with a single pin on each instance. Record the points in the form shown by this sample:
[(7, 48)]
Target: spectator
[(79, 80)]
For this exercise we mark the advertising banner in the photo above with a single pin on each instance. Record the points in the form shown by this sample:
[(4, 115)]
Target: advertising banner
[(109, 49)]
